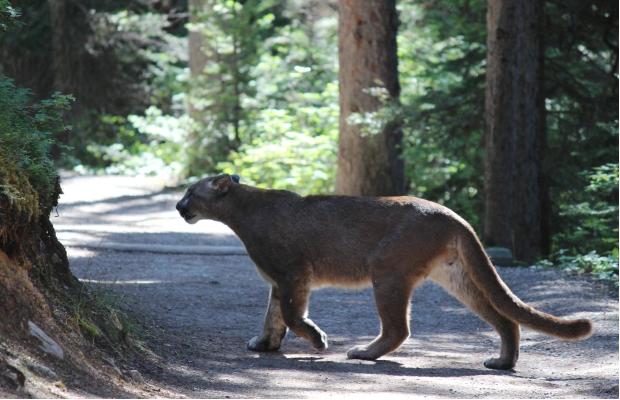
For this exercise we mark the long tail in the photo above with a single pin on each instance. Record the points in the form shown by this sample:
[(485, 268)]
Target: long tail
[(483, 273)]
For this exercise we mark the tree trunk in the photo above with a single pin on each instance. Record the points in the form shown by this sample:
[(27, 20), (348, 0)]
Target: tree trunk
[(71, 62), (199, 162), (65, 62), (368, 164), (63, 80), (514, 117), (197, 57)]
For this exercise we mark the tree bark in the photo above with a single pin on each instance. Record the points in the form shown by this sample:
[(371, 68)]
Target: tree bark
[(514, 118), (199, 162), (63, 79), (368, 165), (67, 62), (72, 65), (197, 58)]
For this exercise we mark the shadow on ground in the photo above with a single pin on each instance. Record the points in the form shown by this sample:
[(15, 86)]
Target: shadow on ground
[(197, 312)]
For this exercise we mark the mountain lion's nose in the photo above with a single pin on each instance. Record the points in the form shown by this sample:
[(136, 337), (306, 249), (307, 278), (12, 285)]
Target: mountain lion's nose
[(179, 206)]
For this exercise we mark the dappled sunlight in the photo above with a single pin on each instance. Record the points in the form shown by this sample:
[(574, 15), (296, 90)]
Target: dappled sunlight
[(99, 231), (75, 253), (141, 222), (213, 305), (120, 282), (80, 190), (310, 375), (207, 307)]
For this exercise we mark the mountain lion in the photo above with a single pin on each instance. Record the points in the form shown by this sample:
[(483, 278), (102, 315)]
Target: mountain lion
[(392, 243)]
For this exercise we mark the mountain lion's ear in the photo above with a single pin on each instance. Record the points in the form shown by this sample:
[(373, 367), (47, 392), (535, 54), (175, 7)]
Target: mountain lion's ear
[(221, 183)]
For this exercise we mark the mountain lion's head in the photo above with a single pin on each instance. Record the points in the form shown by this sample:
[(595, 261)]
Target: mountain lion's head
[(203, 197)]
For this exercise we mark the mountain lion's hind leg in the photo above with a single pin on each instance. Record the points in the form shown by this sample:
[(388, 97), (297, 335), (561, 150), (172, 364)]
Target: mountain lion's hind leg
[(294, 305), (392, 299), (274, 329), (454, 279)]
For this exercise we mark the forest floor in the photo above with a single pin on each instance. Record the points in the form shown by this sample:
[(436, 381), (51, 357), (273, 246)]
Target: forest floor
[(196, 299)]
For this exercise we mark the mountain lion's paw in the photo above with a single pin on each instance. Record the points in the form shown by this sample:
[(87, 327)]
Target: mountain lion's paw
[(259, 344), (360, 353), (498, 363), (321, 342)]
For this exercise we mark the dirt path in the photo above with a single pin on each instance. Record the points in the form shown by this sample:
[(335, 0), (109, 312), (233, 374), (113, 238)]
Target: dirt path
[(198, 311)]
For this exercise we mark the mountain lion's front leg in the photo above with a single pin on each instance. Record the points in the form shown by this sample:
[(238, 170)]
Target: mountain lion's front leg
[(274, 328)]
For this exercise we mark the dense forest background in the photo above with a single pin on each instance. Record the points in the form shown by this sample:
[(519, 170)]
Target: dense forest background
[(185, 89)]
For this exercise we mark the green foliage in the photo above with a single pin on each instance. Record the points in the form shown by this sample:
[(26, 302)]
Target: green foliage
[(590, 217), (441, 60), (285, 100), (291, 143), (149, 144), (602, 267), (118, 58), (162, 54), (131, 143), (289, 154), (587, 241), (151, 55), (26, 133), (441, 64), (8, 14), (582, 125), (232, 32)]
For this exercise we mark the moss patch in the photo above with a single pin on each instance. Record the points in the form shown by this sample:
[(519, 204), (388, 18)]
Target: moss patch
[(19, 203)]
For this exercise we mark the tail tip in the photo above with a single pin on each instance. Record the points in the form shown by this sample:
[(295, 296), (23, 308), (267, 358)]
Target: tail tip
[(582, 328)]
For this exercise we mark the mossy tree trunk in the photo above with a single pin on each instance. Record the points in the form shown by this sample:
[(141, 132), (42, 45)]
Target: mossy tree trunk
[(33, 263)]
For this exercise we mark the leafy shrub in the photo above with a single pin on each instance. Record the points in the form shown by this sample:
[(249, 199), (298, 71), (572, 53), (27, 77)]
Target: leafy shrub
[(441, 66), (26, 133), (589, 218), (8, 14), (292, 141), (587, 241), (232, 33), (287, 156), (149, 144), (601, 266), (28, 185)]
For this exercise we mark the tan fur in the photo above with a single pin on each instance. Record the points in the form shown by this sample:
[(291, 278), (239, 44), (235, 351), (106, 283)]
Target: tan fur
[(393, 244)]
